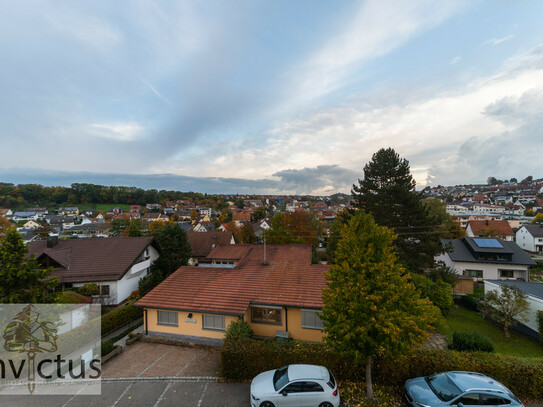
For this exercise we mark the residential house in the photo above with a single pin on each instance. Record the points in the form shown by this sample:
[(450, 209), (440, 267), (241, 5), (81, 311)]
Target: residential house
[(534, 293), (277, 291), (41, 212), (115, 264), (203, 211), (487, 258), (135, 208), (60, 222), (530, 238), (202, 227), (240, 218), (24, 216), (88, 230), (6, 212), (202, 243), (155, 216), (490, 228), (152, 207), (31, 224), (68, 211)]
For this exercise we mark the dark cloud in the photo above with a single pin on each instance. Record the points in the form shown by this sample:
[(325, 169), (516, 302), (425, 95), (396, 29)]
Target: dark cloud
[(333, 178)]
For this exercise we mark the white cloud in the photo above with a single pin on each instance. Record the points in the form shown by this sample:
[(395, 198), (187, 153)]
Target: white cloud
[(117, 131), (497, 41), (455, 60)]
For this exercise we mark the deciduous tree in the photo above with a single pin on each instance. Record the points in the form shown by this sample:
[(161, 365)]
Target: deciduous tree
[(22, 278), (506, 306), (370, 305)]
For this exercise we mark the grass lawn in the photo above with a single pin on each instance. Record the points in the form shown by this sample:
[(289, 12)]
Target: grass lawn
[(463, 320), (104, 207)]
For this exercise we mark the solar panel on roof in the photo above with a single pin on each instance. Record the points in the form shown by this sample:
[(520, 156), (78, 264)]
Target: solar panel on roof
[(488, 243)]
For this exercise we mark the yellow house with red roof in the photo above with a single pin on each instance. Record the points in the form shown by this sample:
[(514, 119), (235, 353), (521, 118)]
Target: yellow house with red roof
[(275, 289)]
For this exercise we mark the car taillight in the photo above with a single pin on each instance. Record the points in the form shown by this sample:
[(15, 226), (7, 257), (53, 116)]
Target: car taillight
[(335, 393)]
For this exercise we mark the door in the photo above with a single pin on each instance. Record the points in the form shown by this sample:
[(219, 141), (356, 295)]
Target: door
[(290, 395), (313, 394)]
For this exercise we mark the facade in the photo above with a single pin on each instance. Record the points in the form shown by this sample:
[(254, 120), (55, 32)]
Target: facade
[(115, 264), (490, 228), (487, 258), (278, 296), (530, 238)]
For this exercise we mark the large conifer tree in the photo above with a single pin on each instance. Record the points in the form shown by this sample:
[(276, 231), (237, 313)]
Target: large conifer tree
[(387, 191)]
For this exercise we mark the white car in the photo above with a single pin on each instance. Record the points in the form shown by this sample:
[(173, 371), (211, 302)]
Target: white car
[(295, 386)]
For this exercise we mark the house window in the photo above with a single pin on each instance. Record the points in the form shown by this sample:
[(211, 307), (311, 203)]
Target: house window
[(104, 289), (311, 319), (507, 273), (213, 322), (167, 318), (266, 315), (474, 273)]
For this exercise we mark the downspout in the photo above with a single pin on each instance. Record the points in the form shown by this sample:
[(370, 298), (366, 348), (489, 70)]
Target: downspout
[(145, 321), (286, 319)]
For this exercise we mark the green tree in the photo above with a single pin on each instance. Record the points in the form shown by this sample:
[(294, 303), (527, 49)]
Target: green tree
[(134, 228), (370, 306), (446, 226), (334, 232), (296, 227), (506, 306), (22, 278), (260, 213), (118, 226), (491, 181), (175, 249), (388, 193)]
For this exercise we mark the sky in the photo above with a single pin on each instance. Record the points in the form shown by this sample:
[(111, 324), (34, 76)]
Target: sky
[(269, 96)]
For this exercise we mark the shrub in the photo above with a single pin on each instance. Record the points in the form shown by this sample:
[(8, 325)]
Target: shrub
[(471, 342), (107, 347), (238, 330), (439, 292), (89, 289), (116, 318), (467, 302)]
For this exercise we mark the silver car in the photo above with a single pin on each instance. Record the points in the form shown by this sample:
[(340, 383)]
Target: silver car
[(458, 389), (295, 386)]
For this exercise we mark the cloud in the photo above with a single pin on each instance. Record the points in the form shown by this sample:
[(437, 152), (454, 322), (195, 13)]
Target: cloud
[(497, 41), (323, 179), (455, 60), (117, 131)]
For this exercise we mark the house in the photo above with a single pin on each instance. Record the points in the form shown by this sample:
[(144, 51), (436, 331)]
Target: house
[(203, 210), (154, 216), (487, 258), (31, 224), (6, 212), (115, 264), (530, 238), (135, 208), (241, 217), (24, 216), (152, 207), (281, 295), (41, 212), (204, 227), (202, 243), (534, 293), (69, 211), (93, 229), (490, 228)]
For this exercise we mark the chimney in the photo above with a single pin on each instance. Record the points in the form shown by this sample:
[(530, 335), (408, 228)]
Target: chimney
[(52, 241)]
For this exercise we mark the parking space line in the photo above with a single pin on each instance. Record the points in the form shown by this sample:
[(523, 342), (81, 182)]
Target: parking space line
[(187, 365), (202, 396), (152, 364), (74, 396), (162, 395), (122, 395)]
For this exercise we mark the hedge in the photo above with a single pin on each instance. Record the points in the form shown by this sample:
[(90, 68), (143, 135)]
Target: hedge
[(540, 323), (471, 342), (244, 360), (116, 318)]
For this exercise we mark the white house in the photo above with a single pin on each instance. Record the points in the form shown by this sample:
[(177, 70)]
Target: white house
[(534, 292), (530, 238), (487, 258), (115, 264), (26, 216)]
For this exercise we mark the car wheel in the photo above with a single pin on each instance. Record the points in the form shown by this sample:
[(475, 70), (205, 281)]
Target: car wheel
[(326, 404), (267, 404)]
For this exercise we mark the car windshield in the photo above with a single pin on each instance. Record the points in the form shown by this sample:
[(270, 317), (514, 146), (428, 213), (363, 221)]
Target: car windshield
[(280, 378), (443, 386)]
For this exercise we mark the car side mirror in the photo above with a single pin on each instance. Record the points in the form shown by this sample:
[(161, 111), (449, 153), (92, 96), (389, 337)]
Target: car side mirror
[(284, 393)]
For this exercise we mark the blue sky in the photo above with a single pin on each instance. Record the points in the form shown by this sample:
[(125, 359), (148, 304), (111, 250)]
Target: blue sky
[(269, 96)]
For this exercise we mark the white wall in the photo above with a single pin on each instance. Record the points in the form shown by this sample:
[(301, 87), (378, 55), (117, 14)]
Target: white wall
[(535, 305), (525, 240), (490, 270)]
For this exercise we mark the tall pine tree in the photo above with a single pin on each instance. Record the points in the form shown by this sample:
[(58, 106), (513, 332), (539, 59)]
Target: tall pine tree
[(388, 193)]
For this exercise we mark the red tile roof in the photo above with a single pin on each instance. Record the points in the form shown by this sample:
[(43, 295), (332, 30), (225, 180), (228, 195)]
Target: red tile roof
[(202, 243), (287, 279), (85, 260), (241, 217), (491, 227)]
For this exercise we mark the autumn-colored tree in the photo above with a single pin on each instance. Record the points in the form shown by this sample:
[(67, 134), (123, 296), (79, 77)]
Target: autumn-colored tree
[(118, 226), (22, 278), (538, 219), (5, 224), (194, 214), (155, 227), (370, 306), (134, 228), (506, 306), (296, 227), (446, 226)]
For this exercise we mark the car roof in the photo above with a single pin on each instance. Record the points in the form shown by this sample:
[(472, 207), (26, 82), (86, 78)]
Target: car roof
[(297, 372), (467, 381)]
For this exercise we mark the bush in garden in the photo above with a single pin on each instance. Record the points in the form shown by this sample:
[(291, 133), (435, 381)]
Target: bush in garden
[(471, 342), (89, 289), (238, 330)]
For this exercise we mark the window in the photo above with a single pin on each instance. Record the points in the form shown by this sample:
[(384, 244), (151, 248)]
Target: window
[(493, 400), (473, 273), (507, 273), (312, 387), (167, 318), (469, 400), (213, 322), (104, 289), (311, 319), (296, 387), (266, 315)]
